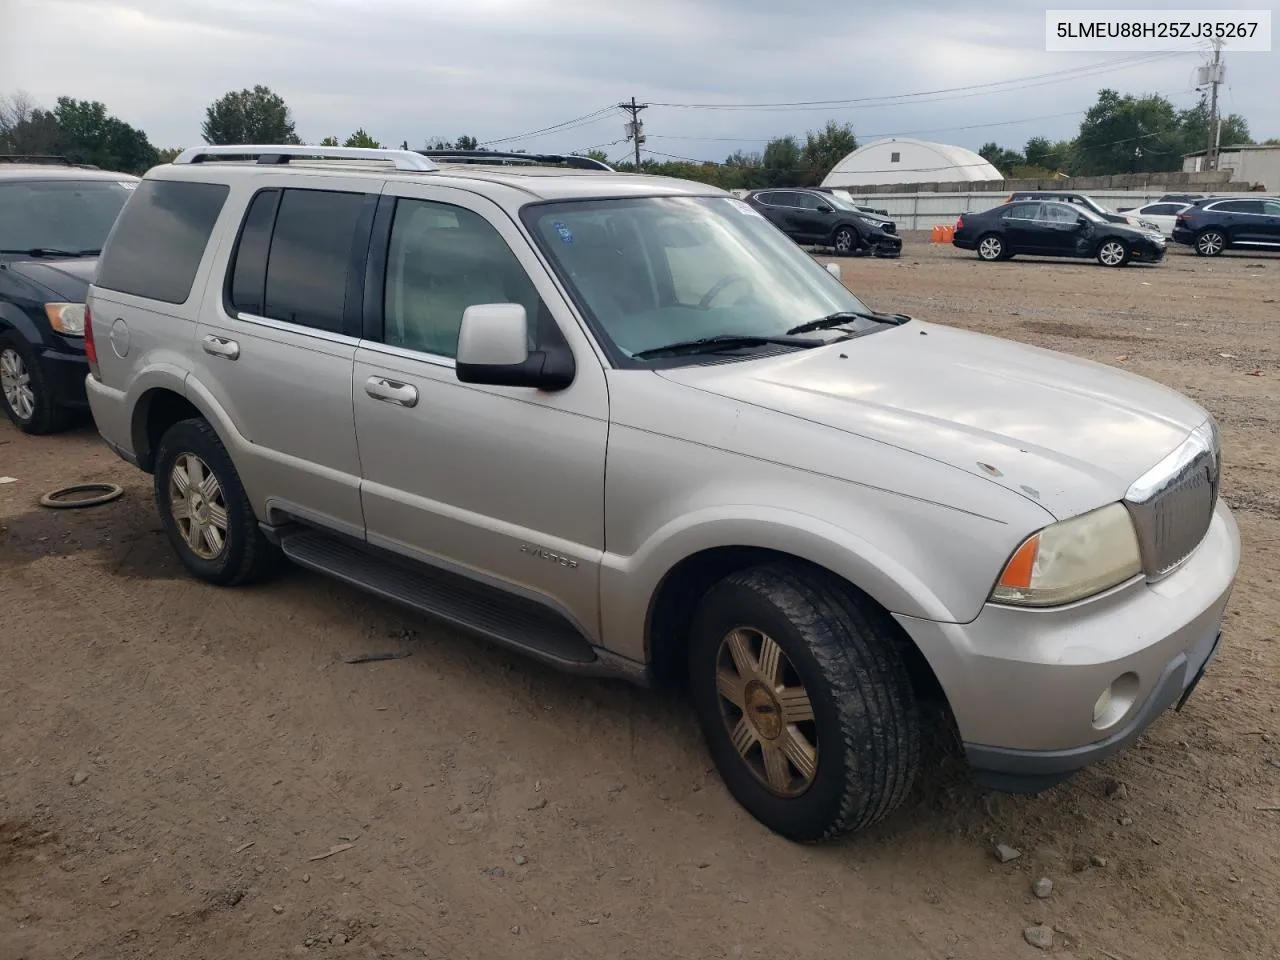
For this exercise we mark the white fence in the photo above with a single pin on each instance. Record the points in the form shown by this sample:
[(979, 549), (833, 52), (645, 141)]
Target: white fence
[(921, 211)]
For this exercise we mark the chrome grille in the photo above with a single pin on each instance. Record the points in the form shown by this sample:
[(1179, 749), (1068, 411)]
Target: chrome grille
[(1172, 504)]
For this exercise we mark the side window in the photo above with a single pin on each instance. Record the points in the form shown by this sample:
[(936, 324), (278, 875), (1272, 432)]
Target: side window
[(309, 257), (156, 245), (1163, 209), (1058, 213), (1271, 208), (1239, 206), (895, 157), (441, 260), (770, 199), (247, 276), (1021, 211), (807, 201)]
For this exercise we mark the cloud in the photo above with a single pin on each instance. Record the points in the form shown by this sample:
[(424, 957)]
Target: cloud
[(412, 69)]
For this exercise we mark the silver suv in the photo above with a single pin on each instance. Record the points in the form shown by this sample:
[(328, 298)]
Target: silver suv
[(625, 426)]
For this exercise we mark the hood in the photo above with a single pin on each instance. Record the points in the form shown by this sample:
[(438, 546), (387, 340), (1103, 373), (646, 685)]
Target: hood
[(67, 280), (1069, 434)]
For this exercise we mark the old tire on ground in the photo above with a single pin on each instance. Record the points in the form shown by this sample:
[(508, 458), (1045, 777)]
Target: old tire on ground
[(804, 700), (25, 395), (1210, 243), (991, 247), (1112, 253), (204, 509)]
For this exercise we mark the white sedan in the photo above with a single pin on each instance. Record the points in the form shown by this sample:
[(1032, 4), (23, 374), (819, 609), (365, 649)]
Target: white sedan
[(1161, 214)]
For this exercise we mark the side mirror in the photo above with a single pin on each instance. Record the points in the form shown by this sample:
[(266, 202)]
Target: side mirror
[(823, 208), (834, 270), (493, 349)]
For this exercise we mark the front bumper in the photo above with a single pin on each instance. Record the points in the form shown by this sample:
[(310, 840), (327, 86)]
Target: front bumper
[(65, 373), (885, 244), (1022, 684)]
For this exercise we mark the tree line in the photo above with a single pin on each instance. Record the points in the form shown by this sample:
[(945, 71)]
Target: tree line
[(1119, 134)]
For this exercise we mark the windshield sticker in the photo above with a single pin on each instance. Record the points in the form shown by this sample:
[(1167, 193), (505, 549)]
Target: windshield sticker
[(743, 207), (564, 232)]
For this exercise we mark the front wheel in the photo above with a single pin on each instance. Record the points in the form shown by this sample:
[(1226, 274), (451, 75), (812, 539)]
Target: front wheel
[(1210, 243), (804, 701), (991, 248), (25, 393), (845, 241), (1113, 253), (204, 509)]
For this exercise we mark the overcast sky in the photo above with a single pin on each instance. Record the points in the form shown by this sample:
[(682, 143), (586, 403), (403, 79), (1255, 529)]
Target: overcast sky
[(413, 69)]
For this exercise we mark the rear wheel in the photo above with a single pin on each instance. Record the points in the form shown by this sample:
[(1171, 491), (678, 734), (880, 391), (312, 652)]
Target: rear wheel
[(25, 393), (1210, 243), (204, 509), (804, 701), (991, 247), (1113, 253)]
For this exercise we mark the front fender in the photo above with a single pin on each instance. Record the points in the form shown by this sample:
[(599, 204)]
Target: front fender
[(628, 585)]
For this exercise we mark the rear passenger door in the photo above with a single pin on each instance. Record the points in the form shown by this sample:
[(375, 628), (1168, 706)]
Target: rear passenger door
[(276, 344), (502, 484)]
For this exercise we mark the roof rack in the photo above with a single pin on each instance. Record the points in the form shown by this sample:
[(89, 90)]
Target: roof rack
[(34, 158), (278, 154), (503, 158)]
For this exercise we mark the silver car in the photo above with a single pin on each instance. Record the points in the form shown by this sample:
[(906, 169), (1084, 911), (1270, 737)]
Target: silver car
[(623, 425)]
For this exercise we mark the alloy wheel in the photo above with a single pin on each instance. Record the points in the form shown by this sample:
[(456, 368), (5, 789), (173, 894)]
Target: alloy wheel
[(767, 711), (15, 380), (198, 506), (1210, 244), (990, 248), (844, 242), (1112, 253)]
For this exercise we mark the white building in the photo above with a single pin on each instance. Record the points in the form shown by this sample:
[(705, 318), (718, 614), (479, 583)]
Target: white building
[(1254, 164), (904, 160)]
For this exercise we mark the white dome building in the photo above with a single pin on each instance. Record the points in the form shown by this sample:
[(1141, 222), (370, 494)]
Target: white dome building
[(903, 160)]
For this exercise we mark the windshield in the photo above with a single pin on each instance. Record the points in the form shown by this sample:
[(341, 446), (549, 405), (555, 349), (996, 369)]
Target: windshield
[(653, 271), (59, 215), (842, 202)]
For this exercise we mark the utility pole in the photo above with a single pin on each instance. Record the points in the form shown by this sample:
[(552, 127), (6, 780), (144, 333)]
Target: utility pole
[(635, 129), (1213, 75)]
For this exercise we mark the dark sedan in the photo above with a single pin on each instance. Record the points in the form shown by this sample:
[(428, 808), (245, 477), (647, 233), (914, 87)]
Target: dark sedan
[(1046, 228), (53, 221)]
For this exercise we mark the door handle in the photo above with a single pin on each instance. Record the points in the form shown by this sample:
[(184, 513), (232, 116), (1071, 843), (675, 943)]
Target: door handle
[(219, 347), (391, 391)]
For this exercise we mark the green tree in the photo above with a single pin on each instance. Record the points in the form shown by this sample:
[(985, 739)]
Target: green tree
[(827, 147), (362, 139), (329, 142), (1002, 158), (783, 162), (593, 154), (466, 143), (1128, 134), (257, 116), (1042, 153), (1195, 128), (168, 154)]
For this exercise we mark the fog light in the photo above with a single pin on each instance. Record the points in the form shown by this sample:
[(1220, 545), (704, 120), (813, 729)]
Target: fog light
[(1116, 701), (1102, 707)]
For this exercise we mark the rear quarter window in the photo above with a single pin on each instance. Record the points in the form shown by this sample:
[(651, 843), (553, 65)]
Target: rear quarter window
[(159, 239)]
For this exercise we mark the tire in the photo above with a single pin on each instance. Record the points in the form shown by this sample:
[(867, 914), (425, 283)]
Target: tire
[(1112, 253), (1210, 243), (845, 241), (25, 392), (991, 247), (241, 554), (859, 736)]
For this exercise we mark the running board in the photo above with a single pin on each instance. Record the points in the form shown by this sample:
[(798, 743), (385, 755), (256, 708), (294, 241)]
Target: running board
[(514, 622)]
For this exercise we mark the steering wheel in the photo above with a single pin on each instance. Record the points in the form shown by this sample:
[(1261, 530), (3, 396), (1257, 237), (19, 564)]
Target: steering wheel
[(705, 302)]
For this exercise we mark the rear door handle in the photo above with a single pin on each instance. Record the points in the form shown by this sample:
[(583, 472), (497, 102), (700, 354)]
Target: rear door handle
[(391, 391), (219, 347)]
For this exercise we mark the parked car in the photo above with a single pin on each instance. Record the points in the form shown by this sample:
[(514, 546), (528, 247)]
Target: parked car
[(824, 219), (54, 218), (1163, 215), (1083, 200), (1048, 228), (1225, 223), (846, 195), (625, 426)]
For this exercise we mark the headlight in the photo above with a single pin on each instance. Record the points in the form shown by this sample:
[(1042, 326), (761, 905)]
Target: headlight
[(872, 223), (1071, 560), (66, 318)]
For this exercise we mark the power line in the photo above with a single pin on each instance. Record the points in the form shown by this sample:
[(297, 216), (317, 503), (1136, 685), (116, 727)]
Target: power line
[(931, 96), (581, 121)]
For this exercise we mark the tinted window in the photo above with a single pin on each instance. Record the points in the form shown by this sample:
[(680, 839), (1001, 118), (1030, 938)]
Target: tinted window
[(1271, 208), (159, 239), (1163, 209), (1022, 211), (249, 268), (807, 201), (769, 198), (310, 254), (1058, 213), (71, 215), (1239, 206), (443, 259)]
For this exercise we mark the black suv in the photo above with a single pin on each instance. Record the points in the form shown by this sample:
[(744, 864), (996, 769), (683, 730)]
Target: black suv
[(1220, 223), (54, 218), (827, 220)]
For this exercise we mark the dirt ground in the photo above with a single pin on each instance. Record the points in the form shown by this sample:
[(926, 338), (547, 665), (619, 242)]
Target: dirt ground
[(174, 757)]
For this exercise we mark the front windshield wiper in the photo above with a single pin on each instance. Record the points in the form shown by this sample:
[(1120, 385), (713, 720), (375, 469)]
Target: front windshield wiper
[(724, 341), (54, 252), (844, 316)]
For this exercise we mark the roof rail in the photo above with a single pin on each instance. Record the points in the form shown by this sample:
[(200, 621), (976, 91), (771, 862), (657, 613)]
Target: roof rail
[(277, 154), (503, 158), (34, 158)]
